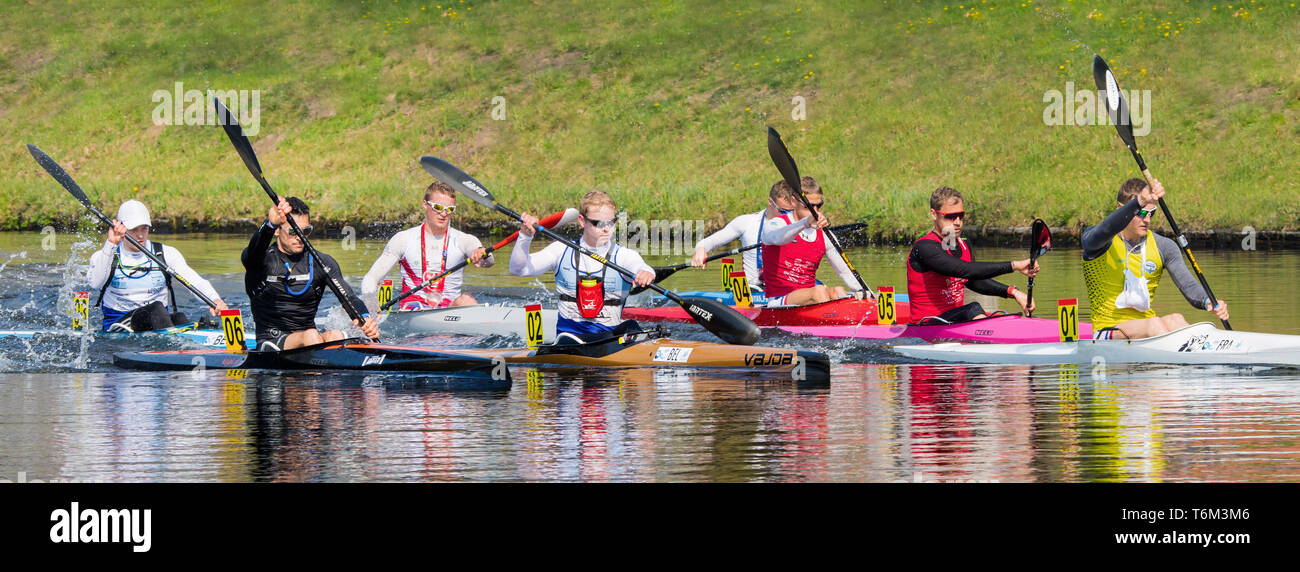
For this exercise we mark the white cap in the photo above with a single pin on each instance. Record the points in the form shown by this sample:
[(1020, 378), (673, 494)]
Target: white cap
[(133, 213)]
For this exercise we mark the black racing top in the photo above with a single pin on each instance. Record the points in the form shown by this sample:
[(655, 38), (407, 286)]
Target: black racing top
[(930, 256), (283, 290)]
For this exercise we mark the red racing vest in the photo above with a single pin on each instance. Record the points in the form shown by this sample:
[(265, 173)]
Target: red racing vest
[(931, 293), (792, 266)]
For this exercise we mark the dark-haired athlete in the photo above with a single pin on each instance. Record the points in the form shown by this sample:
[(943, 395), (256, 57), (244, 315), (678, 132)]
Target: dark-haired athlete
[(285, 286)]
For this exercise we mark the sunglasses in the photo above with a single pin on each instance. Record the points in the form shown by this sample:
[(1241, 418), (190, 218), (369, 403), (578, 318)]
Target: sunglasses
[(816, 206), (602, 223), (440, 208), (1144, 213), (952, 215), (306, 231)]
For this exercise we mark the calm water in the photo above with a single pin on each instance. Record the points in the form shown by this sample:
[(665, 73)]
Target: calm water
[(67, 413)]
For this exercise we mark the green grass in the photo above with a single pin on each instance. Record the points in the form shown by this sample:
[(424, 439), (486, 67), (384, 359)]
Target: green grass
[(661, 103)]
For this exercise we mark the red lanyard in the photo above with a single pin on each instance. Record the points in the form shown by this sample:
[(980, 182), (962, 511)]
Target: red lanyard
[(424, 258)]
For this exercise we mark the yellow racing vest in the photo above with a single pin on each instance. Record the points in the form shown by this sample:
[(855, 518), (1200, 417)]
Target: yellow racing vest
[(1104, 277)]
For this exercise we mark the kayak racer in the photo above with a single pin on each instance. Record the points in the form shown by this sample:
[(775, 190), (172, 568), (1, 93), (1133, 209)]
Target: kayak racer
[(1123, 262), (135, 295), (284, 286), (427, 251), (794, 246), (591, 297), (941, 266), (748, 228)]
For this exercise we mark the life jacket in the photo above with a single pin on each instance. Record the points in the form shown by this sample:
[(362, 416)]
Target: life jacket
[(792, 266), (931, 293), (116, 267), (1104, 277), (591, 296)]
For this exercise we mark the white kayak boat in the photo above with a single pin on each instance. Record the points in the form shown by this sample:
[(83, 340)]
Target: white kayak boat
[(1199, 343), (473, 320), (205, 337)]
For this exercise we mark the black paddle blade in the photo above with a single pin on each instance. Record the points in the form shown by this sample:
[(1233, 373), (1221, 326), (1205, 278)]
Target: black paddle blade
[(722, 320), (783, 161), (236, 134), (1116, 105), (458, 180), (1040, 239), (47, 163)]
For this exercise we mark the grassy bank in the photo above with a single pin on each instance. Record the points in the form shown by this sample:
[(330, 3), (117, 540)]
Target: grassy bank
[(662, 103)]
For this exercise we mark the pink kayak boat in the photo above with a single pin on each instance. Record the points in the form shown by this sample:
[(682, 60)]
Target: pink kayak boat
[(1003, 329)]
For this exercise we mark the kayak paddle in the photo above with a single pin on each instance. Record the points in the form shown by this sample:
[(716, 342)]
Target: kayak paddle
[(723, 321), (1040, 241), (1118, 109), (790, 172), (245, 149), (64, 179), (551, 221)]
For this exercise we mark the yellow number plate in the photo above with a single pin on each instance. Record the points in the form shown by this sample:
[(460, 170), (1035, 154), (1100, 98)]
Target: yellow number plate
[(232, 328), (80, 310), (533, 316), (385, 293), (740, 290), (885, 312), (1067, 317)]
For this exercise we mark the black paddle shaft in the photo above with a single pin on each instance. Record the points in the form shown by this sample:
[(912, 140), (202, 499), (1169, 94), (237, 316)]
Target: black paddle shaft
[(1040, 241), (53, 168)]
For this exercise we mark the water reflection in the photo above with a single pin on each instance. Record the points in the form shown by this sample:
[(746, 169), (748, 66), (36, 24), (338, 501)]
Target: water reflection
[(67, 413), (932, 423)]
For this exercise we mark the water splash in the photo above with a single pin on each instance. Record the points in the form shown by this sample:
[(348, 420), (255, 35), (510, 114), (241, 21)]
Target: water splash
[(22, 254), (74, 275), (1058, 17)]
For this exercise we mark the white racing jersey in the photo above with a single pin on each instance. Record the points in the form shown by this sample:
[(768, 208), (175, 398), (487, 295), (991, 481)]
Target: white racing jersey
[(439, 253), (136, 281), (748, 228)]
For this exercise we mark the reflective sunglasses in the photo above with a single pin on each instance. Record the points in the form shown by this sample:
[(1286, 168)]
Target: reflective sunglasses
[(306, 231), (1144, 213), (602, 223), (952, 215), (439, 207)]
